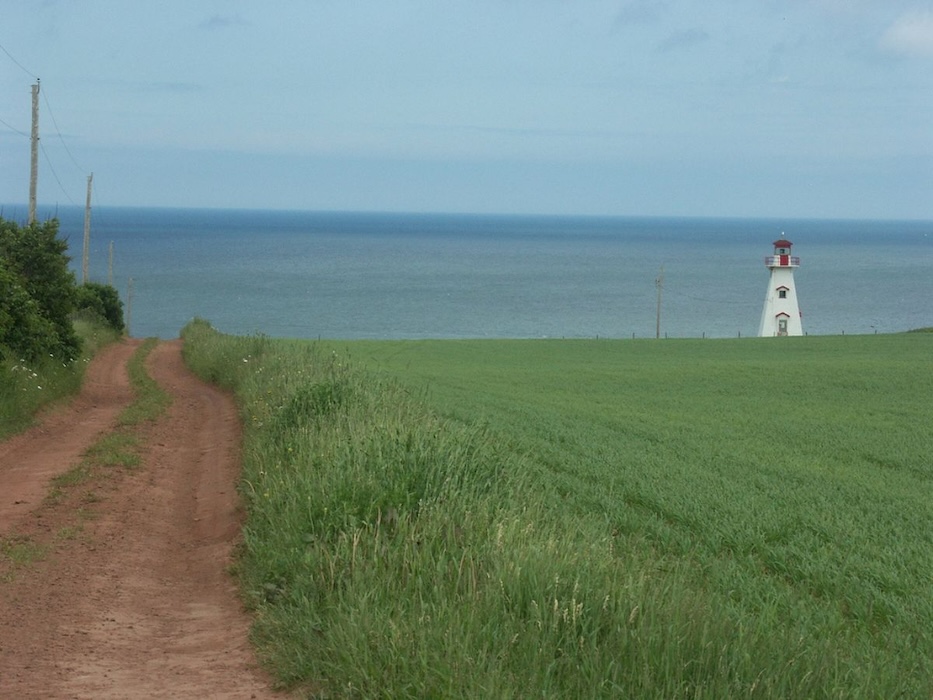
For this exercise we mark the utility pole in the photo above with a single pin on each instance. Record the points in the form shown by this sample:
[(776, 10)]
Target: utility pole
[(87, 230), (34, 163), (660, 284), (110, 266)]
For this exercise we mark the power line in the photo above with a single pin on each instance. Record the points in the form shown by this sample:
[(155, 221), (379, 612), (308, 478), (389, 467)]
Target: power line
[(96, 202), (13, 128), (54, 174), (25, 70), (708, 301), (59, 132)]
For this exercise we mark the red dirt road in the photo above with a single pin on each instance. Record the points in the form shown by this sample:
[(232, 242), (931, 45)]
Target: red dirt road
[(29, 460), (133, 598)]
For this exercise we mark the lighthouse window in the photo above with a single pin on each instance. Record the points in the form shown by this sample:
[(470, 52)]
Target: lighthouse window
[(782, 294)]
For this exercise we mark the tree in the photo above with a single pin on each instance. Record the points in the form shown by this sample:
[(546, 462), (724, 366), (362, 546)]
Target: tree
[(23, 329), (35, 264), (104, 301)]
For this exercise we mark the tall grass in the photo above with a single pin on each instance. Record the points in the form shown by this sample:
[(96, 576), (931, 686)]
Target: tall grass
[(26, 387), (585, 519)]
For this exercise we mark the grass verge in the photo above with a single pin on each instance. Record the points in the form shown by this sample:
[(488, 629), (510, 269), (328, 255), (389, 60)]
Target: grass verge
[(586, 519), (25, 388)]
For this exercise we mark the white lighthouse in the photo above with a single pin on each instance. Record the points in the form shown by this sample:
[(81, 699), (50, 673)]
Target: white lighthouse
[(781, 314)]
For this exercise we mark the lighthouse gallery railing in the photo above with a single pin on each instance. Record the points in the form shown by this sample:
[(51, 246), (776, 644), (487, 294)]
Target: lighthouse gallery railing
[(775, 261)]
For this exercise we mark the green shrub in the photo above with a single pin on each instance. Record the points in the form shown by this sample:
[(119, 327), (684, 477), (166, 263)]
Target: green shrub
[(102, 300), (34, 266), (25, 332)]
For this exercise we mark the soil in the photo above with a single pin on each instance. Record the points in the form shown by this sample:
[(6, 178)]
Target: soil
[(129, 593)]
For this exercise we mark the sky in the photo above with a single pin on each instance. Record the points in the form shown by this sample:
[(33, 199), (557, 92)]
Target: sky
[(738, 108)]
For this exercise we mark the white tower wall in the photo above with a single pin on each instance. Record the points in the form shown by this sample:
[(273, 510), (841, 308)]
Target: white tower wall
[(781, 312), (775, 306)]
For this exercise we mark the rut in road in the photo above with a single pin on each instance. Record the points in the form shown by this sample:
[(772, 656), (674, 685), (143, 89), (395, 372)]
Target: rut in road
[(29, 460), (140, 603)]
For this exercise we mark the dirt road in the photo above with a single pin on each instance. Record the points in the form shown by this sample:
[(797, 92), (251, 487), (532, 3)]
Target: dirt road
[(30, 459), (131, 595)]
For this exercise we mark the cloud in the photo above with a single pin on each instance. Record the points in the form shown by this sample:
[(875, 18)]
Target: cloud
[(684, 39), (178, 87), (911, 35), (154, 86), (639, 12), (222, 22)]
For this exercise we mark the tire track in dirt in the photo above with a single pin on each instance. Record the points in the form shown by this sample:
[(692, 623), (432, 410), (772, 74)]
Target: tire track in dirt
[(31, 459), (142, 605)]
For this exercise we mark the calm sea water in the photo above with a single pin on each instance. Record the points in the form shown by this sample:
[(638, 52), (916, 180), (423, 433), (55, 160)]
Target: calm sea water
[(354, 275)]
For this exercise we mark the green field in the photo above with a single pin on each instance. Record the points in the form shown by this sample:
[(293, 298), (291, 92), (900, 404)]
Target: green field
[(636, 518)]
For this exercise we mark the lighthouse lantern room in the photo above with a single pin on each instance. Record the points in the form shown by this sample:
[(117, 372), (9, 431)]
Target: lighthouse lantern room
[(781, 313)]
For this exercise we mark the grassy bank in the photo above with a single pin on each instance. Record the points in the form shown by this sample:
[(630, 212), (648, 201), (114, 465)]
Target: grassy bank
[(26, 387), (587, 518)]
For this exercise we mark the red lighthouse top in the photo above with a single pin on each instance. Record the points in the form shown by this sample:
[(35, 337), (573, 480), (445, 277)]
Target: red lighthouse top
[(782, 256)]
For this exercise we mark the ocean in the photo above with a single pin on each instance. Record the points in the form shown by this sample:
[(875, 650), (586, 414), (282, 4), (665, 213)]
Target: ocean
[(384, 275)]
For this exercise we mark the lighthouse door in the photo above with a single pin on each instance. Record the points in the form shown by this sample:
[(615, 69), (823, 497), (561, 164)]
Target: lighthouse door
[(782, 326)]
